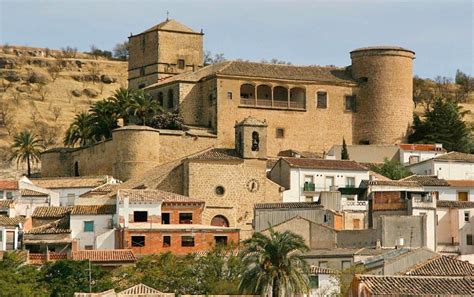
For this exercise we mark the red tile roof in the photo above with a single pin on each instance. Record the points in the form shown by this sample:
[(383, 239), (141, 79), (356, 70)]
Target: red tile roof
[(324, 164), (442, 266), (217, 154), (454, 204), (141, 290), (32, 193), (70, 182), (156, 195), (288, 205), (51, 212), (6, 221), (8, 185), (104, 255), (93, 210), (464, 183), (6, 203), (427, 180), (320, 270), (60, 226), (419, 147)]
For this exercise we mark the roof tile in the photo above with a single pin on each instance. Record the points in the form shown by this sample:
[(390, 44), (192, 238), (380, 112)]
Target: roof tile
[(8, 185), (104, 255), (32, 193), (70, 182), (287, 205), (442, 266), (51, 212), (324, 164), (217, 154), (60, 226), (93, 210), (7, 221), (427, 180), (454, 204), (156, 195)]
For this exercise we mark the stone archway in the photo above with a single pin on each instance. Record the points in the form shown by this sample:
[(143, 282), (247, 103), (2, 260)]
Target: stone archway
[(220, 221)]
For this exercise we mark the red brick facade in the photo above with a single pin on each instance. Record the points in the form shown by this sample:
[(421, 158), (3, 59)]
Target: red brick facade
[(388, 201), (175, 209)]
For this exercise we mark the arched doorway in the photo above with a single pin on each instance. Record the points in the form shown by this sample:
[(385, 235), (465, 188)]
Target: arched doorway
[(220, 221)]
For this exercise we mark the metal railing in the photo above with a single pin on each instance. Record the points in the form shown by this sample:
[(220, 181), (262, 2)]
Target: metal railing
[(309, 187), (272, 103)]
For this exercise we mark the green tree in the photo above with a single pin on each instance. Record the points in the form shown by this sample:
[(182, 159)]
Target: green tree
[(26, 147), (443, 124), (121, 99), (64, 278), (273, 264), (344, 152), (168, 120), (80, 130), (392, 169), (143, 107), (103, 119), (121, 51)]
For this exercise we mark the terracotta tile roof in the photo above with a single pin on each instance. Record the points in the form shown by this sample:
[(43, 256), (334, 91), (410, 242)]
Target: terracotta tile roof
[(139, 289), (417, 285), (8, 185), (104, 255), (51, 212), (6, 203), (324, 164), (70, 182), (427, 180), (287, 205), (442, 266), (419, 147), (100, 190), (397, 183), (171, 25), (320, 270), (60, 226), (217, 154), (156, 195), (6, 221), (32, 193), (302, 154), (455, 156), (93, 210), (465, 183), (454, 204)]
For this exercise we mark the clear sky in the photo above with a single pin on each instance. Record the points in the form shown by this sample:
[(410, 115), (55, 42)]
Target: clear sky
[(302, 32)]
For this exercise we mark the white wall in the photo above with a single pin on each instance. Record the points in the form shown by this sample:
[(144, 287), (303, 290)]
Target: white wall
[(422, 155), (328, 286), (464, 229), (297, 180), (430, 225), (125, 209), (100, 238), (451, 193), (451, 224), (445, 170), (64, 192)]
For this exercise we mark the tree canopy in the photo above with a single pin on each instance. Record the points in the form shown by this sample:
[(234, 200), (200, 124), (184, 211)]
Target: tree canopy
[(26, 148), (392, 169)]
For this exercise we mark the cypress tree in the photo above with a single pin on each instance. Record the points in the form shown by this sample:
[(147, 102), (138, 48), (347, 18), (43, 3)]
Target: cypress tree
[(344, 152)]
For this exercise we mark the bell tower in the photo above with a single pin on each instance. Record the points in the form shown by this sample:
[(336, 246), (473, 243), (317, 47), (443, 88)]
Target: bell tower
[(251, 139)]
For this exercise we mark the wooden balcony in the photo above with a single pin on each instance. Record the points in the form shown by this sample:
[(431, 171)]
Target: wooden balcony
[(272, 104)]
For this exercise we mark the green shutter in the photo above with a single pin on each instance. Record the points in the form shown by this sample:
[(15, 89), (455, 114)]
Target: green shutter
[(89, 226)]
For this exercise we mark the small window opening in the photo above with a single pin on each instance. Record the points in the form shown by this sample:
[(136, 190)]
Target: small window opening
[(138, 241), (220, 190), (322, 100), (181, 64), (185, 218), (165, 218), (221, 240), (166, 241), (140, 216), (187, 241), (280, 133)]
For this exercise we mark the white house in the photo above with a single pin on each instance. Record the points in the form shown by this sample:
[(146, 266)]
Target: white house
[(135, 210), (449, 190), (323, 282), (450, 166), (69, 188), (304, 179), (415, 153), (10, 230), (92, 226)]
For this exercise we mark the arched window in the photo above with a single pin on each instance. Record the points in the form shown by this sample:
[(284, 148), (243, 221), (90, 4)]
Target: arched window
[(76, 168), (280, 93), (297, 98), (170, 98), (264, 92), (247, 91), (160, 98), (220, 221), (255, 141)]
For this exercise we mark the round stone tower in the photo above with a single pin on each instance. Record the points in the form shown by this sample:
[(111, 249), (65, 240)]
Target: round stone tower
[(384, 103)]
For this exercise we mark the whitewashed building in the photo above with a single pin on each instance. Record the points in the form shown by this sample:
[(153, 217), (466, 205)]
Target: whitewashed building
[(323, 282), (450, 166), (415, 153), (92, 226), (304, 179), (449, 190)]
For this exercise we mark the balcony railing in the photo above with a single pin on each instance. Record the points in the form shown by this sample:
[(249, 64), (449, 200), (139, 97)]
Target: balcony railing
[(309, 187), (41, 258), (279, 104), (355, 205)]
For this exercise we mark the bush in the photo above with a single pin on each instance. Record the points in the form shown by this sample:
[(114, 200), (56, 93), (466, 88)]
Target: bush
[(69, 52), (168, 120)]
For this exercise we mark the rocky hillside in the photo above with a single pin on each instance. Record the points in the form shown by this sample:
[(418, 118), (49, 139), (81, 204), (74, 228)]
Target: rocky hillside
[(42, 90)]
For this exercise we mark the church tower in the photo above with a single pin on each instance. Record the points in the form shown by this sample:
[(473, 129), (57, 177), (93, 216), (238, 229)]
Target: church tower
[(251, 139), (164, 50)]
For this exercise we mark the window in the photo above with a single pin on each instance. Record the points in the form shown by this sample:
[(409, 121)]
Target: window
[(350, 182), (313, 282), (220, 221), (345, 265), (89, 226), (140, 216), (220, 190), (329, 182), (165, 218), (166, 241), (322, 100), (187, 241), (160, 98), (181, 64), (351, 103), (467, 215), (76, 168), (323, 264), (414, 159), (142, 71), (326, 218), (170, 99), (88, 247), (220, 240), (462, 196), (229, 95), (138, 241), (9, 195), (280, 133), (143, 42), (469, 239), (185, 218)]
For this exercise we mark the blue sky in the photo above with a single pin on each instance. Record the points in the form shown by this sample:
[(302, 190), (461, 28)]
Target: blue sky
[(302, 32)]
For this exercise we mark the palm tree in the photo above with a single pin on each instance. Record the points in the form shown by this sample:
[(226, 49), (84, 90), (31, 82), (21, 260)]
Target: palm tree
[(121, 99), (104, 119), (273, 264), (143, 107), (80, 130), (27, 148)]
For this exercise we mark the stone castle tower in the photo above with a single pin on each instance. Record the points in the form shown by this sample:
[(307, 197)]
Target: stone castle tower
[(251, 139), (385, 97), (166, 49)]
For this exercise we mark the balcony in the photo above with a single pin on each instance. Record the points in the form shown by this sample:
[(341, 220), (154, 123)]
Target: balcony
[(355, 205), (309, 187), (273, 104)]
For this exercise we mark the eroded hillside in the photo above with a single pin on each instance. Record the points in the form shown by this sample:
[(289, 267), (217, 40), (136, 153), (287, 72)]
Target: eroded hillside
[(43, 89)]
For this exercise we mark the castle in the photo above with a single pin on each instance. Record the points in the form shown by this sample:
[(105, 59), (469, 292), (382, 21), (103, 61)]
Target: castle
[(306, 108)]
